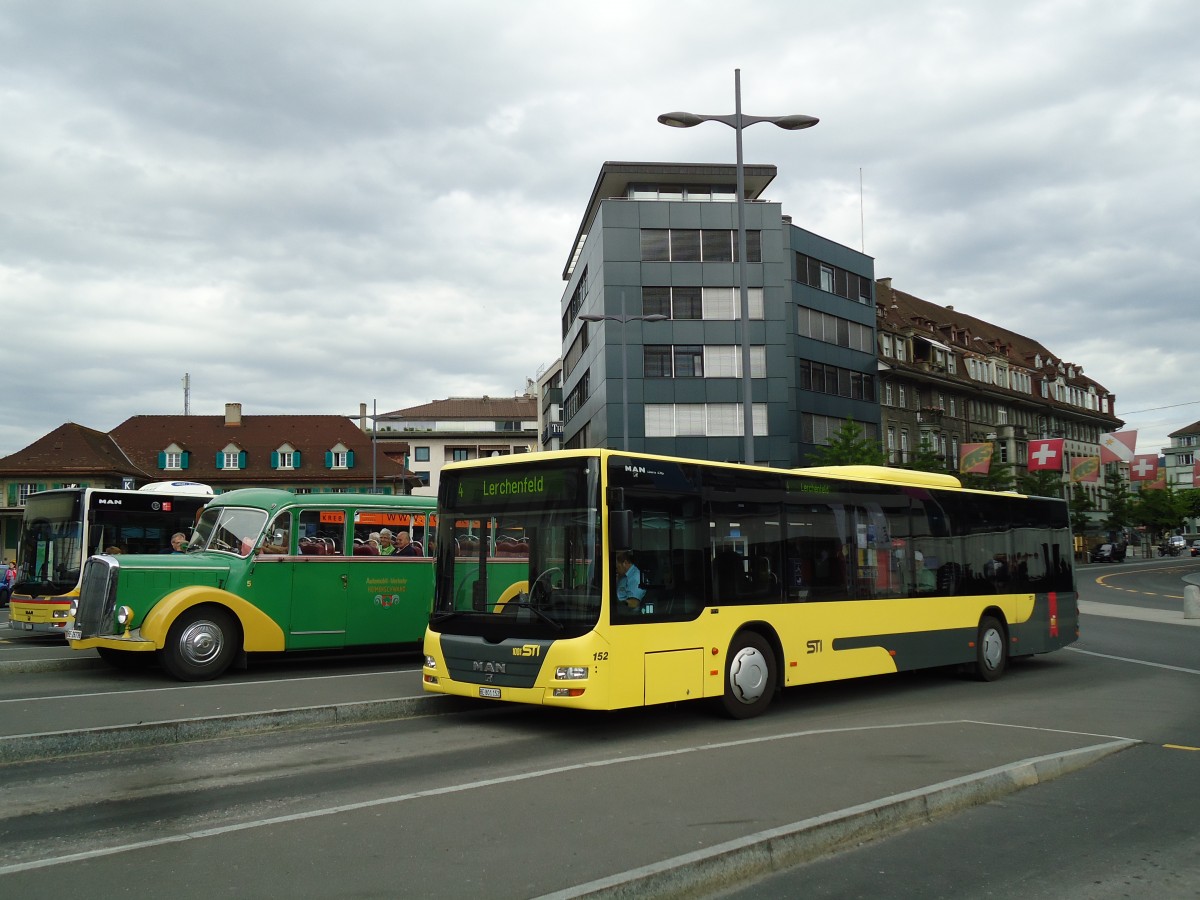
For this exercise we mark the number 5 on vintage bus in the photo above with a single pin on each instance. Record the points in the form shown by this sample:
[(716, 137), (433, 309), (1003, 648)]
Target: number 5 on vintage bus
[(599, 580)]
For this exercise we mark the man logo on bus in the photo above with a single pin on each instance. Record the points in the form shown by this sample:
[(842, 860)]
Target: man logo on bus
[(492, 668)]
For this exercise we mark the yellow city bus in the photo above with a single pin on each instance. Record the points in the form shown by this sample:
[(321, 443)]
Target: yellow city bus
[(751, 579), (61, 528)]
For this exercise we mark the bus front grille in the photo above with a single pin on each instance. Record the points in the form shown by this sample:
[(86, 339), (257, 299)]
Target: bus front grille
[(97, 597)]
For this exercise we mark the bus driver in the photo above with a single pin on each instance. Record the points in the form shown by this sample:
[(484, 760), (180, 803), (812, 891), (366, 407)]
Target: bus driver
[(629, 583)]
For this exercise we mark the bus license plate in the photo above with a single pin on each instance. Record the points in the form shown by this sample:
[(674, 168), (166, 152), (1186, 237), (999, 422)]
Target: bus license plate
[(74, 634), (490, 693), (22, 626)]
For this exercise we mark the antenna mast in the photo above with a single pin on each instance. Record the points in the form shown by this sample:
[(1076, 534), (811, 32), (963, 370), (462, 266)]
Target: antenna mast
[(187, 394)]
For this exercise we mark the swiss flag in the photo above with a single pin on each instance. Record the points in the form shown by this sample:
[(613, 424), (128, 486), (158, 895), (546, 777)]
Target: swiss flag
[(1047, 454), (1144, 467)]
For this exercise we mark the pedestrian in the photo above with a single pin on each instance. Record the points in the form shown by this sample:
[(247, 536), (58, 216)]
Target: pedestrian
[(7, 580)]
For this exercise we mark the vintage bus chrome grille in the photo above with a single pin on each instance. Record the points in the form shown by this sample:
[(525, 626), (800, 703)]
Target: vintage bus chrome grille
[(97, 597)]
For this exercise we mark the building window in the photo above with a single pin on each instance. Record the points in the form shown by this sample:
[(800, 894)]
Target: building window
[(338, 459), (701, 419), (420, 454), (903, 396), (458, 454), (173, 460), (887, 395), (656, 360), (423, 474), (230, 459), (23, 492), (891, 444), (692, 245), (689, 361), (287, 459), (818, 429)]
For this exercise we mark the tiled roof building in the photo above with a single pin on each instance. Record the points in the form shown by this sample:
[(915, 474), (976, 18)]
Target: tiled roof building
[(302, 453), (950, 378)]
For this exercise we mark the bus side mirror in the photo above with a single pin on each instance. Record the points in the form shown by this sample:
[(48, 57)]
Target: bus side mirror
[(620, 528)]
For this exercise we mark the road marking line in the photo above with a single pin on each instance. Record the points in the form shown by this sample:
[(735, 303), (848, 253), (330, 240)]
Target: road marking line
[(1110, 740), (1180, 747), (1139, 662)]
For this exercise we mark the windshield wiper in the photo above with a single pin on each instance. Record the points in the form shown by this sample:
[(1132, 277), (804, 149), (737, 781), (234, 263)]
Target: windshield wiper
[(525, 604)]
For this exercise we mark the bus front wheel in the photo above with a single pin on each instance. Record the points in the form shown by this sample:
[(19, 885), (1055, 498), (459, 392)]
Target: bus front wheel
[(991, 649), (749, 676), (201, 644)]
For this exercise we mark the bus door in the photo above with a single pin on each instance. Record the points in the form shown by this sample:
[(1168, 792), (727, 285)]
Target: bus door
[(389, 597), (320, 580), (269, 586)]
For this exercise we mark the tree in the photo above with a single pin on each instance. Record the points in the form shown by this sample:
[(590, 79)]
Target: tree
[(1159, 510), (1117, 497), (1081, 504), (1000, 477), (926, 458), (1043, 483), (849, 447)]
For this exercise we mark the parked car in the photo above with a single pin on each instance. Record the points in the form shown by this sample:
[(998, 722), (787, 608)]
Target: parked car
[(1109, 553), (1196, 547)]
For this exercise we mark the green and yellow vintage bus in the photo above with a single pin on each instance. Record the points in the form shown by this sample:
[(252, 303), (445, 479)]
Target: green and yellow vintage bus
[(265, 571), (751, 579), (61, 528)]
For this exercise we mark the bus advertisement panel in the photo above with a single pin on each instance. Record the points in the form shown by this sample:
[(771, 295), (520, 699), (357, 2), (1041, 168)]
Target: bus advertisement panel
[(61, 528), (646, 579)]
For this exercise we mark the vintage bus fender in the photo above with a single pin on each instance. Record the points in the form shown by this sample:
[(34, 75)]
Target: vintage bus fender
[(260, 633)]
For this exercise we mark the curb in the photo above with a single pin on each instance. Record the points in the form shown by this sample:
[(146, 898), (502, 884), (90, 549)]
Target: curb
[(737, 862), (56, 744), (29, 666)]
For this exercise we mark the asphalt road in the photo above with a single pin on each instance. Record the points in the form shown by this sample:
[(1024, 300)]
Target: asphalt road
[(520, 803)]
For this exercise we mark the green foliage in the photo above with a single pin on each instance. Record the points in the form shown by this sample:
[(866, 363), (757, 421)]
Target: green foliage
[(1160, 510), (848, 447), (1118, 498), (1081, 504), (927, 459), (1042, 483), (1000, 477)]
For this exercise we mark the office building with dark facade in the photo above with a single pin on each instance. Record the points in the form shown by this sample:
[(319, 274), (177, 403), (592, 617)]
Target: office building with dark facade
[(660, 239)]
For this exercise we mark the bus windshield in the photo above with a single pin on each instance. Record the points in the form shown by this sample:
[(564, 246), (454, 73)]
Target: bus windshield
[(50, 544), (230, 529), (519, 550)]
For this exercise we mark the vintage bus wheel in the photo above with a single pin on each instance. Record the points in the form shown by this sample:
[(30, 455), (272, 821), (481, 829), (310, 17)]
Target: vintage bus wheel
[(991, 650), (200, 645), (749, 676)]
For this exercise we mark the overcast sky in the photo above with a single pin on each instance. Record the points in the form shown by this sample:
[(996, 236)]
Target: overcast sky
[(308, 205)]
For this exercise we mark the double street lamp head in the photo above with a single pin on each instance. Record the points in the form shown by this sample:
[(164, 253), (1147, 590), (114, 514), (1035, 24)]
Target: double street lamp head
[(690, 120), (596, 317)]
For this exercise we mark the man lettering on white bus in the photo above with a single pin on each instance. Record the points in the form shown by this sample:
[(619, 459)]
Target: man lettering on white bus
[(629, 582)]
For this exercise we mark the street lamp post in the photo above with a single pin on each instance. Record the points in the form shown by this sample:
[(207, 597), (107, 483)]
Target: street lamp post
[(624, 320), (737, 122)]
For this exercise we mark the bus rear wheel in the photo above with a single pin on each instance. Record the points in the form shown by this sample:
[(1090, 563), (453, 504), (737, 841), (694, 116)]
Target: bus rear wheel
[(991, 649), (750, 676), (201, 644)]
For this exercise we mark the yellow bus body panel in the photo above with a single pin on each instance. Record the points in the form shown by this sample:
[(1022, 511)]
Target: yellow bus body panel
[(649, 663)]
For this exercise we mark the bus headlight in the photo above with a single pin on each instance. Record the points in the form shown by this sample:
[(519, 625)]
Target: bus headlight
[(571, 673), (59, 613), (430, 662), (74, 607), (124, 616)]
